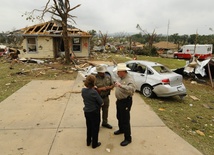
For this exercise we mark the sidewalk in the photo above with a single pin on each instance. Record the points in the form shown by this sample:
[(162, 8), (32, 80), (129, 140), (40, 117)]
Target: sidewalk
[(45, 118)]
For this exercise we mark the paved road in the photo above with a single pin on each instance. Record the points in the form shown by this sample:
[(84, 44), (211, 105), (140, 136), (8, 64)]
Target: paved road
[(46, 118)]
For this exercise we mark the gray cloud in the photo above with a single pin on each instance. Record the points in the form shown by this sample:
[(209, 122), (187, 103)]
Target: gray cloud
[(185, 17)]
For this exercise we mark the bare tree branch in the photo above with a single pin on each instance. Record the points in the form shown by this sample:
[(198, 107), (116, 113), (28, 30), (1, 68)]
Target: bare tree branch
[(46, 8), (75, 7)]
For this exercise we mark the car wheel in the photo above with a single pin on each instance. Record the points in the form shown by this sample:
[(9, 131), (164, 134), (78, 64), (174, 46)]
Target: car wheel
[(175, 57), (146, 90), (182, 96)]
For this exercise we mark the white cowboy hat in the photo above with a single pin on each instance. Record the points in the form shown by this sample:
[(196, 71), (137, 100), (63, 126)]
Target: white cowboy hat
[(101, 69), (121, 67)]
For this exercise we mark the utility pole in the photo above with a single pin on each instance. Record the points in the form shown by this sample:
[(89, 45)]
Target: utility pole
[(167, 38), (196, 37)]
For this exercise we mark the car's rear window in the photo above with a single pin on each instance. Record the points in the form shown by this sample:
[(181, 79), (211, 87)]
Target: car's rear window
[(161, 69)]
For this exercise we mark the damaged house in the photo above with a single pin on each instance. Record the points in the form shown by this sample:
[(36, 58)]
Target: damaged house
[(45, 41), (164, 46)]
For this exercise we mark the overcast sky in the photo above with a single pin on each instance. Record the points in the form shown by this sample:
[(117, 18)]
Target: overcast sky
[(122, 16)]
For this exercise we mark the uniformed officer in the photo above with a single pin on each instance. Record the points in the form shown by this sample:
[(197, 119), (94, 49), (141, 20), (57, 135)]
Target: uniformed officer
[(124, 91), (104, 85)]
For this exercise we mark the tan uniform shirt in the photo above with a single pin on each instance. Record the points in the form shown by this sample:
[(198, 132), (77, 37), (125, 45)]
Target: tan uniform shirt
[(103, 82), (127, 88)]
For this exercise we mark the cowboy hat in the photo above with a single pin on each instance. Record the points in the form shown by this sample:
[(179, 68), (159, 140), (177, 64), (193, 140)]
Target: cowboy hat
[(121, 67), (101, 69)]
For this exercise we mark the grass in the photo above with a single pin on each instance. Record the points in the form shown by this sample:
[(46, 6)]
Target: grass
[(189, 118), (22, 73)]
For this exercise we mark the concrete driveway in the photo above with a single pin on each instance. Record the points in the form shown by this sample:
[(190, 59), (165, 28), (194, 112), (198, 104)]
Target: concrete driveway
[(46, 118)]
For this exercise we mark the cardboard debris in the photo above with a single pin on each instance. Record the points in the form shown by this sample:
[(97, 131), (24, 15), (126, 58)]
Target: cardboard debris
[(200, 133), (108, 150), (207, 106), (161, 109), (194, 98), (189, 118)]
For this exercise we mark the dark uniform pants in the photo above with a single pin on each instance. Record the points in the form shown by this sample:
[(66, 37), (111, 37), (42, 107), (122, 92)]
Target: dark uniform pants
[(105, 110), (123, 116), (93, 126)]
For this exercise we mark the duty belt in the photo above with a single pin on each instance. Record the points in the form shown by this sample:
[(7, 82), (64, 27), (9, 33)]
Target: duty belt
[(129, 97)]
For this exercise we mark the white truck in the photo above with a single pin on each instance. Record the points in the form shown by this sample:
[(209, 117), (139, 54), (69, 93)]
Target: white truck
[(201, 51)]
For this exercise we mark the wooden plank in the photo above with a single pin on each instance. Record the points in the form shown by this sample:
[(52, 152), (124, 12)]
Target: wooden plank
[(46, 27), (41, 28), (210, 75), (33, 31)]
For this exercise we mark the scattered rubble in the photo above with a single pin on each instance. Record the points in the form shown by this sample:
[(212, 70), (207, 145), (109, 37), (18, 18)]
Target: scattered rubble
[(194, 98), (197, 70)]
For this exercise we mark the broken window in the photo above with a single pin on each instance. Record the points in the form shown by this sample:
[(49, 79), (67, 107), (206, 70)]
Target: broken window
[(76, 44), (31, 45)]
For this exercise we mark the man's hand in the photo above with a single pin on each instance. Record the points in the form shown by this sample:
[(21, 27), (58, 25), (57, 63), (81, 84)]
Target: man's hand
[(117, 84)]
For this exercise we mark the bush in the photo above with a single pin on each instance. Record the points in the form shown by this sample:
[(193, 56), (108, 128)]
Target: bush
[(146, 51)]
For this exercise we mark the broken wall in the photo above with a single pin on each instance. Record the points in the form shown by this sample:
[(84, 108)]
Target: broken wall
[(85, 48), (44, 48)]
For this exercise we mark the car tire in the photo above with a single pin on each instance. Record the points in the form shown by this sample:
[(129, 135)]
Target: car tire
[(146, 90), (182, 96)]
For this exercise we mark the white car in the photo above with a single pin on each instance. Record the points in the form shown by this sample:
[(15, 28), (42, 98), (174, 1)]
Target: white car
[(151, 78), (154, 79)]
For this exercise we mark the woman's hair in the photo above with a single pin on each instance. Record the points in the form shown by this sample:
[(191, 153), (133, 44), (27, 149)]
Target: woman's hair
[(89, 81)]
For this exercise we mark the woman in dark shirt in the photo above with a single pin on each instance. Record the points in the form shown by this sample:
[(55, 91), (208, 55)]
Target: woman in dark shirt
[(92, 104)]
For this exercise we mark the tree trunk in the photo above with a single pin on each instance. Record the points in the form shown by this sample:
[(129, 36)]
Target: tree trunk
[(66, 43)]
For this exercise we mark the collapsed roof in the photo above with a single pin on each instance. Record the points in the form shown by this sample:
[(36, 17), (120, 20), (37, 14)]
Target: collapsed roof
[(52, 28)]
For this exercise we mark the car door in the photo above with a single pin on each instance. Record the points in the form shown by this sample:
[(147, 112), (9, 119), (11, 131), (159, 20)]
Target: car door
[(139, 75)]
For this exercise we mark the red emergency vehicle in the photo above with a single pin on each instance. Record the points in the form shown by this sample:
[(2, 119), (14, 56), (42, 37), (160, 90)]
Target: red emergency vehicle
[(201, 51)]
